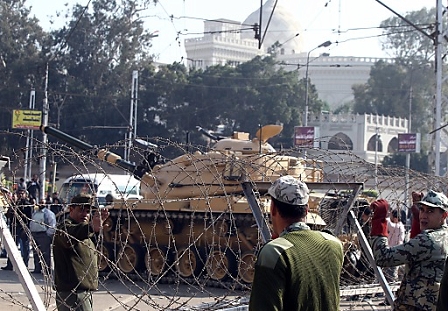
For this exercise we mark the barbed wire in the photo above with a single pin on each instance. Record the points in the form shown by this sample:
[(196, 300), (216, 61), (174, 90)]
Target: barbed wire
[(194, 249)]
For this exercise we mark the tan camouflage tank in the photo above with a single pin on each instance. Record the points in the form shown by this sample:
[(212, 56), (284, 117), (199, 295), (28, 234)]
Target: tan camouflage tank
[(194, 220)]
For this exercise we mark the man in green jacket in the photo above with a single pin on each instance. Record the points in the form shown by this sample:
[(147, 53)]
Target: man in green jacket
[(300, 269), (75, 257)]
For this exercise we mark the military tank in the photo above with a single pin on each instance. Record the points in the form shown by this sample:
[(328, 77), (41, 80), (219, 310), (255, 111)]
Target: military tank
[(193, 220)]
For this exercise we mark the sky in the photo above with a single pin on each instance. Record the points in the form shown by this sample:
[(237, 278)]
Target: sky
[(351, 23)]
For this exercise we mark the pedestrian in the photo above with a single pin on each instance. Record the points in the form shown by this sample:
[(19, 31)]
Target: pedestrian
[(57, 207), (300, 269), (365, 221), (396, 232), (42, 227), (33, 188), (75, 257), (21, 185), (19, 216), (423, 255)]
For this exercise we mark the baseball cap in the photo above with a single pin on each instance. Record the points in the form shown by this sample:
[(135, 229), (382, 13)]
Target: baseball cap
[(290, 190), (435, 199)]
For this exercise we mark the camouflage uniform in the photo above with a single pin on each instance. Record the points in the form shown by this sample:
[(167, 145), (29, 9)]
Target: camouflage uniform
[(424, 258), (442, 302)]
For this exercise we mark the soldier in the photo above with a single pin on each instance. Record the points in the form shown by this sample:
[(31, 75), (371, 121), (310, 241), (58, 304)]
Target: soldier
[(442, 302), (300, 269), (424, 255), (75, 258)]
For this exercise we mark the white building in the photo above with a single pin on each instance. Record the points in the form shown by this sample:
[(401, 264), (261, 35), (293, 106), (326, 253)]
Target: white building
[(221, 44), (358, 133), (231, 42)]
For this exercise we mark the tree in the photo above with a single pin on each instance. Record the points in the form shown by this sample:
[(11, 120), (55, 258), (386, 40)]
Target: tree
[(95, 56), (404, 41), (21, 66), (419, 161), (241, 98), (257, 93), (392, 88)]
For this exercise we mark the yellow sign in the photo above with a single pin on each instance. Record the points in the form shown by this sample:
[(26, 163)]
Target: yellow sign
[(26, 119)]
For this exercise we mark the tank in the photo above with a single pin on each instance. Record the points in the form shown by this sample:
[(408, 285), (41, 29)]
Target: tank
[(193, 221)]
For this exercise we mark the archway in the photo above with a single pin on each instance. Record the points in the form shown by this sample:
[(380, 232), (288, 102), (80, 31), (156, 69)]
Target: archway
[(371, 144), (340, 141), (393, 145)]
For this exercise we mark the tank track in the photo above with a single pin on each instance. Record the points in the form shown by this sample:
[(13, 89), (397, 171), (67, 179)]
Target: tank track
[(231, 235)]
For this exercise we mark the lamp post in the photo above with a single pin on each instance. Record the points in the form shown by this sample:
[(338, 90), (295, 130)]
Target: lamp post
[(325, 44)]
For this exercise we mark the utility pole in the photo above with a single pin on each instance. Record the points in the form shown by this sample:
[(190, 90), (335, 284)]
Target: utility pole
[(43, 158), (438, 38), (29, 141), (438, 98), (408, 155), (132, 130)]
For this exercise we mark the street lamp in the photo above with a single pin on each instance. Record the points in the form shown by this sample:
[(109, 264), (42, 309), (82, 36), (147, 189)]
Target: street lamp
[(323, 45)]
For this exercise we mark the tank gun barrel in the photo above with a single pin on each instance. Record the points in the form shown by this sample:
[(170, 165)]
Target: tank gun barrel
[(208, 134), (102, 154)]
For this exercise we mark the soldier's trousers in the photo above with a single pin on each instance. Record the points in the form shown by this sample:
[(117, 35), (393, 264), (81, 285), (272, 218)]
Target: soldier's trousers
[(74, 301)]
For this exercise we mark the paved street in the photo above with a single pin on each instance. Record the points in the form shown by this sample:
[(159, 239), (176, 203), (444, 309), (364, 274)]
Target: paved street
[(128, 295)]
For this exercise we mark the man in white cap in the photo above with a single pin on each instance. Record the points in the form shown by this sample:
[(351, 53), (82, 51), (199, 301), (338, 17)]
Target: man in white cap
[(300, 269)]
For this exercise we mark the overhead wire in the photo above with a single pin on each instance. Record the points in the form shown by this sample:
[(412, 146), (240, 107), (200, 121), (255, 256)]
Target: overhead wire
[(268, 23), (72, 30), (242, 29)]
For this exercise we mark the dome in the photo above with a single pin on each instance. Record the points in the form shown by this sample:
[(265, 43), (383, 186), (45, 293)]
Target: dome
[(283, 28)]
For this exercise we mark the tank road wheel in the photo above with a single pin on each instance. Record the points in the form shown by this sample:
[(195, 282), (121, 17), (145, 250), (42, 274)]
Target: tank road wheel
[(220, 265), (246, 267), (105, 255), (129, 258), (156, 260), (188, 262)]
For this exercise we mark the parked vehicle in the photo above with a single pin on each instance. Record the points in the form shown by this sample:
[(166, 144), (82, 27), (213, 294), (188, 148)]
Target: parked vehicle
[(120, 186)]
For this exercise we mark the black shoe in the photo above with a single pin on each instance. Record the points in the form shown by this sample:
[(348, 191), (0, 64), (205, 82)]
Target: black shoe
[(7, 268), (36, 272)]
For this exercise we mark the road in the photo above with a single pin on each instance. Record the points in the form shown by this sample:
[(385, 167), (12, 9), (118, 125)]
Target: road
[(118, 295)]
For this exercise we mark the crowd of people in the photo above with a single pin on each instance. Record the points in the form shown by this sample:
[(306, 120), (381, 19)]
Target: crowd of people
[(70, 238), (28, 217), (299, 269)]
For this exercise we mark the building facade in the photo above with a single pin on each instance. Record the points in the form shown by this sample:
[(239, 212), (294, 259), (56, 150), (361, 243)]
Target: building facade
[(227, 42), (359, 133)]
